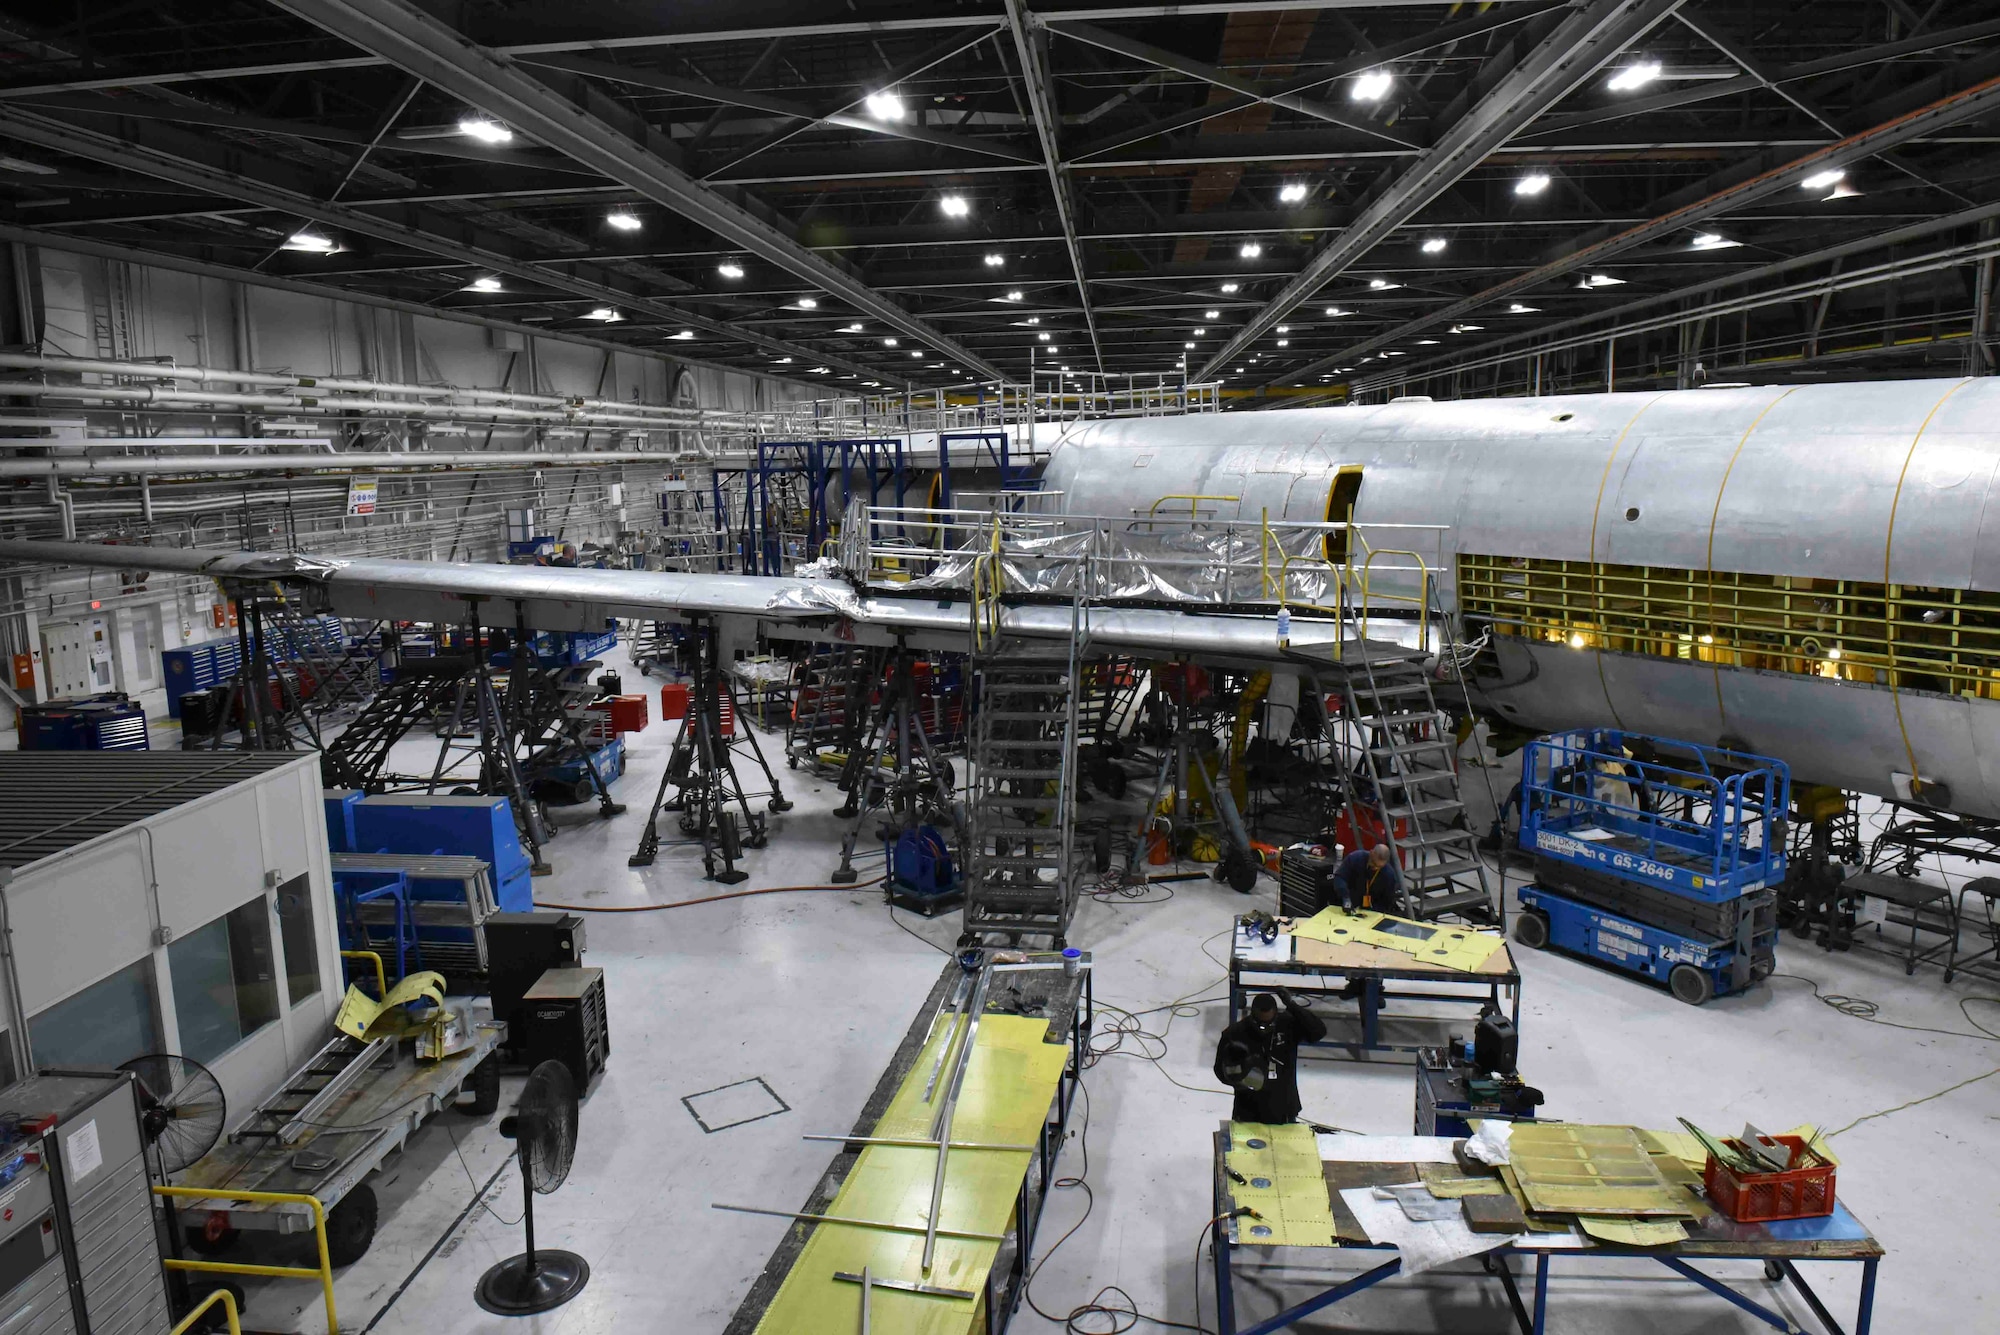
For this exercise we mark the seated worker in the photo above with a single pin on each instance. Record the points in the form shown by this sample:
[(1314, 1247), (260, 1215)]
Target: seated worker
[(1258, 1058), (1370, 880)]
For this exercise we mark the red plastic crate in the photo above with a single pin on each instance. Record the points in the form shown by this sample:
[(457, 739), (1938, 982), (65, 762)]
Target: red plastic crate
[(1796, 1193)]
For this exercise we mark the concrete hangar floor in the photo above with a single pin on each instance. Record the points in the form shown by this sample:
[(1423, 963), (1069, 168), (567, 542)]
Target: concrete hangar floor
[(812, 992)]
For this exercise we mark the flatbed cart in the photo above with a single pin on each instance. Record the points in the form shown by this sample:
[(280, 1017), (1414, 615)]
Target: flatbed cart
[(1658, 858), (332, 1124)]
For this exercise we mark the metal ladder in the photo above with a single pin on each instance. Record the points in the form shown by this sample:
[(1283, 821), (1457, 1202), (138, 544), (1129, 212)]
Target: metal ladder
[(1020, 874), (829, 706), (310, 1092), (1407, 750)]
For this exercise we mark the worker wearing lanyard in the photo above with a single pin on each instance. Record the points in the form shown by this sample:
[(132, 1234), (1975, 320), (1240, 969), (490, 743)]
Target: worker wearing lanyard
[(1370, 880), (1258, 1058)]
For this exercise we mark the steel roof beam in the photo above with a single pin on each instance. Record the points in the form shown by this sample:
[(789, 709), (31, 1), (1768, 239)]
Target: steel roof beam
[(1030, 49), (1721, 193), (297, 200), (773, 105), (591, 129), (1221, 78), (1388, 51), (1543, 74)]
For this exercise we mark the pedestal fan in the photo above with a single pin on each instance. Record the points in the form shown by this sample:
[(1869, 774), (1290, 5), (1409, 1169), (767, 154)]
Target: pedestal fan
[(543, 1128)]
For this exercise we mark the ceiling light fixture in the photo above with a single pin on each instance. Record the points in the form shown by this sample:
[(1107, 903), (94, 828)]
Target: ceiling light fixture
[(1211, 315), (729, 269), (1291, 192), (485, 131), (1634, 76), (1284, 329), (605, 313), (1370, 87), (684, 335), (885, 106), (1335, 312), (954, 206), (1043, 336), (488, 283), (1601, 280), (1014, 295), (1382, 285), (808, 303), (1712, 241), (311, 243), (1518, 309), (1284, 343), (850, 328), (1199, 332), (1249, 250), (1231, 287), (1466, 328), (1532, 184), (1435, 246), (1822, 180), (994, 260), (888, 342), (916, 354), (624, 222)]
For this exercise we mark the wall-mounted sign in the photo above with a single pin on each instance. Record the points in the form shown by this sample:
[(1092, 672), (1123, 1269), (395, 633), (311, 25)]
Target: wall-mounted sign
[(361, 495)]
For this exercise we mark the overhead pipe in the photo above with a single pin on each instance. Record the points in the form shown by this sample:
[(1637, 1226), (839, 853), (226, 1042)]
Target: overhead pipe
[(205, 375), (174, 398), (413, 461)]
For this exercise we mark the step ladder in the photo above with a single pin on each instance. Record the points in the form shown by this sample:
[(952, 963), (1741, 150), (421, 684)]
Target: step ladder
[(309, 1093), (1020, 874), (1408, 759), (829, 706)]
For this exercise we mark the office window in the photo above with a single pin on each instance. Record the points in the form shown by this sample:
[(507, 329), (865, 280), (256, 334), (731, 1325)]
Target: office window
[(109, 1022), (225, 981), (295, 929)]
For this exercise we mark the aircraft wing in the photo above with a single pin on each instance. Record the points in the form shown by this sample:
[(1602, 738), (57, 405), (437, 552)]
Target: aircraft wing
[(555, 598)]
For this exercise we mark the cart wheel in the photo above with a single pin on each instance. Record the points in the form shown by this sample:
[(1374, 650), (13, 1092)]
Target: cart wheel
[(1531, 928), (350, 1226), (1100, 851), (1243, 875), (485, 1087), (1773, 1271), (212, 1236), (1691, 984)]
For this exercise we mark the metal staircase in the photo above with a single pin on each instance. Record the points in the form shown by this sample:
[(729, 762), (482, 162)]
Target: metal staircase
[(1407, 760), (1020, 874)]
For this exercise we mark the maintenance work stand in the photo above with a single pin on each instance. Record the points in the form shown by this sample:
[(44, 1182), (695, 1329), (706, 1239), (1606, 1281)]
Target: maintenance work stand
[(1781, 1245), (945, 1239), (1659, 858)]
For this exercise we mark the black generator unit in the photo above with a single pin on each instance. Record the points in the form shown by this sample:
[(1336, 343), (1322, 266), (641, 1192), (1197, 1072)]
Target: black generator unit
[(201, 713), (563, 1016), (109, 722), (520, 948), (1306, 879)]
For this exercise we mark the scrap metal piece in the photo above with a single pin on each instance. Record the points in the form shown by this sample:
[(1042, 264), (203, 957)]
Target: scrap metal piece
[(906, 1286)]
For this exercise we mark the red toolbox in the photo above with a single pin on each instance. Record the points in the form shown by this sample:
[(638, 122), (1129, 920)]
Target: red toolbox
[(674, 700), (627, 713)]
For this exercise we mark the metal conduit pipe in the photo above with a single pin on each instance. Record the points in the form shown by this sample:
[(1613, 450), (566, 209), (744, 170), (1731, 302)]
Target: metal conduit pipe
[(419, 461), (177, 398), (335, 384)]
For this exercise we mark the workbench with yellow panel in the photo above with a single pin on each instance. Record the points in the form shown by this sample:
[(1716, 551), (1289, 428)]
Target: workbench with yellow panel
[(1367, 972), (1005, 1110)]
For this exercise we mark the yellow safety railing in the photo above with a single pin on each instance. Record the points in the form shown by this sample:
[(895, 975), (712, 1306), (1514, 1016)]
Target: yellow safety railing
[(1193, 498), (228, 1301), (381, 974), (323, 1272), (1421, 599)]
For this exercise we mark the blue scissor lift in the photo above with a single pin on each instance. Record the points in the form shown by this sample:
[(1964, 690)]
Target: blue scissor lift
[(1657, 857)]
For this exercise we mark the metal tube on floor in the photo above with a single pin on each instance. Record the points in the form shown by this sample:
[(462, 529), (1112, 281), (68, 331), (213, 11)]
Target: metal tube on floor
[(941, 1129)]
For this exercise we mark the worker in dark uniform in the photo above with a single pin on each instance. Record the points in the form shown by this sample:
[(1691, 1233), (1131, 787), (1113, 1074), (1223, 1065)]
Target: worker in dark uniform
[(1258, 1058), (1369, 880)]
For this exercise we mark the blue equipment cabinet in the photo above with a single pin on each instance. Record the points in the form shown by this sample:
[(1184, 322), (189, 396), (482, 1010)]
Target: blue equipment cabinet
[(109, 722), (340, 818), (1661, 858), (479, 827)]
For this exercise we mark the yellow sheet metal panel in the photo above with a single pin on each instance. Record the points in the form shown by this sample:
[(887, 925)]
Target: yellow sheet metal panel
[(1285, 1184), (1010, 1080), (1457, 948), (1570, 1168)]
